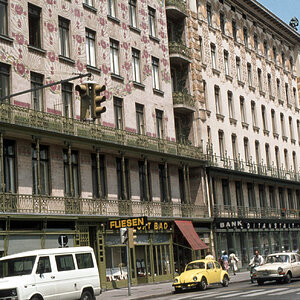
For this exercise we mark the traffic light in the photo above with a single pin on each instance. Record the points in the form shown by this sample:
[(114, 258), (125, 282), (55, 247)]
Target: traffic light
[(131, 237), (124, 235), (97, 100), (84, 100)]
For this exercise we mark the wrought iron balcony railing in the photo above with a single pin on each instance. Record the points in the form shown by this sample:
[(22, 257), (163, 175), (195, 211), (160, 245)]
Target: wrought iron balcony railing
[(51, 205), (46, 122), (229, 211), (179, 48), (184, 99), (180, 4)]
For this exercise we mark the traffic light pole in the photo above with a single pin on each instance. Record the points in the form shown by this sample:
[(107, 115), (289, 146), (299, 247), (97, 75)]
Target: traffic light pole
[(128, 268), (45, 86)]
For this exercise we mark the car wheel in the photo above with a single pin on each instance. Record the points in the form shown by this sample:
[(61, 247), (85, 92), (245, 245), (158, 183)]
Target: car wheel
[(225, 282), (203, 284), (86, 295), (35, 298), (288, 278), (260, 282)]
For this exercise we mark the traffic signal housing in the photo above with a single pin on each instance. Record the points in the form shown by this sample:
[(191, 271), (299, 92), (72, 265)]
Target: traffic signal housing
[(98, 109), (124, 235), (83, 90), (131, 237)]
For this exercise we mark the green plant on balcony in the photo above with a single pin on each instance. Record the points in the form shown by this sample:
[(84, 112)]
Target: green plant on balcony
[(183, 97), (180, 4), (179, 48)]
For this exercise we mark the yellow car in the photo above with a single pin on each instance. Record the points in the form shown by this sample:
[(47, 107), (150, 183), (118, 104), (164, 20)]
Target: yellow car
[(200, 274)]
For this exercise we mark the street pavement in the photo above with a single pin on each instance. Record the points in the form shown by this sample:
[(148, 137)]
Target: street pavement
[(156, 290)]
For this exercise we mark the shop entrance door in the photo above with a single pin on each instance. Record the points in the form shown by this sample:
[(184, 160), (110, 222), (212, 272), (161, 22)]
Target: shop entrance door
[(142, 262)]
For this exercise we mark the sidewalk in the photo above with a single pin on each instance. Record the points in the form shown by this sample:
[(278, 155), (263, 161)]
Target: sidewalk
[(156, 290)]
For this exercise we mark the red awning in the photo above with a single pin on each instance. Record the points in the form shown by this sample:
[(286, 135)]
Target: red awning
[(189, 232)]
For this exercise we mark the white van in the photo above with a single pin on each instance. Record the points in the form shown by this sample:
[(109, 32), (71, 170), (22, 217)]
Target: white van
[(60, 274)]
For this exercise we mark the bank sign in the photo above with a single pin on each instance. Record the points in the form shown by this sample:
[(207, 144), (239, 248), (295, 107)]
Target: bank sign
[(139, 223), (256, 225)]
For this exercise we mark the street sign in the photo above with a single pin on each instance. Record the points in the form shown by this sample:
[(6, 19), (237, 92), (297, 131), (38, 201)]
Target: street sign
[(63, 240), (128, 223)]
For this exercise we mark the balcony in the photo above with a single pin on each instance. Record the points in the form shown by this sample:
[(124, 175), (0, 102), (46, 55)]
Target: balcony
[(251, 168), (228, 211), (61, 206), (183, 102), (179, 53), (45, 123), (176, 8)]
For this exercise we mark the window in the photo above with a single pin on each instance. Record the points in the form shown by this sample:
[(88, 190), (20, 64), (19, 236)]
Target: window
[(265, 48), (251, 195), (90, 47), (268, 161), (114, 57), (249, 72), (273, 117), (155, 73), (136, 65), (4, 80), (152, 26), (298, 129), (99, 183), (217, 100), (145, 180), (243, 110), (159, 124), (230, 105), (40, 170), (234, 146), (64, 262), (9, 165), (213, 56), (238, 68), (34, 20), (88, 2), (278, 89), (281, 198), (222, 22), (245, 32), (291, 128), (275, 54), (253, 113), (123, 174), (287, 93), (291, 64), (272, 197), (201, 49), (283, 59), (294, 161), (36, 96), (67, 92), (132, 13), (112, 8), (118, 110), (277, 157), (246, 150), (291, 206), (226, 192), (84, 260), (255, 42), (64, 39), (234, 30), (209, 14), (239, 194), (44, 265), (208, 135), (257, 152), (226, 62), (71, 173), (269, 85), (264, 117), (139, 108), (164, 180), (282, 125), (286, 159), (3, 17), (259, 77), (221, 143), (295, 97)]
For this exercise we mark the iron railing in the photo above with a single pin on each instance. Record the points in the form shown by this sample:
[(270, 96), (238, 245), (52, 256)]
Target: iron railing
[(184, 99), (179, 48)]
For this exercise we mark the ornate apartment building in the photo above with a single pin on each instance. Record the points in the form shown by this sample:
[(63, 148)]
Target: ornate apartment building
[(238, 60)]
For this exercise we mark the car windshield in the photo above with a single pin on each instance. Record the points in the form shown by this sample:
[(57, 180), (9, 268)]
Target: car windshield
[(17, 266), (195, 265), (278, 258)]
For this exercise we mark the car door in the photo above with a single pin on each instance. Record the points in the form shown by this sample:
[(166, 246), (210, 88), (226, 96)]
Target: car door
[(211, 272), (297, 266), (45, 279), (218, 271)]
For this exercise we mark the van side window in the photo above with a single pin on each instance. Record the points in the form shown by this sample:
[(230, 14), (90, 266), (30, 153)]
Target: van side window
[(84, 260), (64, 262), (44, 265)]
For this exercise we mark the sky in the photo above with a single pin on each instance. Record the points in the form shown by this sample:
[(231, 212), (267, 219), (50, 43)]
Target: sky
[(284, 9)]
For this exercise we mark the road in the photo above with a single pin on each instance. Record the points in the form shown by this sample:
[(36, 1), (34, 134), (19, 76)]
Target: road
[(243, 290)]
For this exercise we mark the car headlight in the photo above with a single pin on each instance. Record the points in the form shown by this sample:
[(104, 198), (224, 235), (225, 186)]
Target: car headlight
[(195, 278), (176, 280), (280, 270)]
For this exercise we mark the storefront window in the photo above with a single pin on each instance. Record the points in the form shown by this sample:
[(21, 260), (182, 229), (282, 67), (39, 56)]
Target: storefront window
[(275, 238), (285, 240), (253, 242), (241, 250), (294, 241), (265, 247), (116, 263)]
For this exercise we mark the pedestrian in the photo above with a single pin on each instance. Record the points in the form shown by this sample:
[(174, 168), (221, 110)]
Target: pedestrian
[(209, 255), (224, 260), (233, 260)]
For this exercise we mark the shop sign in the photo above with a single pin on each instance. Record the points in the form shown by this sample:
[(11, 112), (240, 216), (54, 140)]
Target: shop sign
[(256, 225), (127, 223)]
